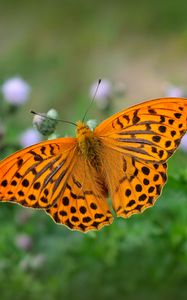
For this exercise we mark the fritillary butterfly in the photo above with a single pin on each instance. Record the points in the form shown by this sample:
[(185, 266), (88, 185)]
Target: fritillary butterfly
[(124, 157)]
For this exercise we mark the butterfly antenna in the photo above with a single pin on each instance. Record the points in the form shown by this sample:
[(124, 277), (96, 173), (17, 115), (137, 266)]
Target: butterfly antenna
[(95, 93), (49, 118)]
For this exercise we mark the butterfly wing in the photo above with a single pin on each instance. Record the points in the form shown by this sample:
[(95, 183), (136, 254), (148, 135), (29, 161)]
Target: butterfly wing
[(136, 144), (83, 205), (150, 131), (51, 175), (36, 176), (135, 185)]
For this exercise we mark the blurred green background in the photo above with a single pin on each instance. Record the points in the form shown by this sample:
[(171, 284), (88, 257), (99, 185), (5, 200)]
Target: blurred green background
[(61, 48)]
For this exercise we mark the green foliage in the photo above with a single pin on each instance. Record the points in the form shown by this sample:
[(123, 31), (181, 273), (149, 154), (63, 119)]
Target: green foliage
[(144, 256)]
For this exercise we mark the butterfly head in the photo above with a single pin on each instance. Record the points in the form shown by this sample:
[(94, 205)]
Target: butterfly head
[(83, 131)]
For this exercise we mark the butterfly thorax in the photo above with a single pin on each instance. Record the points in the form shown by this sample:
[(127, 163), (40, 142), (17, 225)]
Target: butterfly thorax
[(88, 144)]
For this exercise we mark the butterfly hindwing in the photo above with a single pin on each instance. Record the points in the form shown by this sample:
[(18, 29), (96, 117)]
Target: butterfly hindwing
[(36, 176), (141, 191), (83, 205), (137, 184)]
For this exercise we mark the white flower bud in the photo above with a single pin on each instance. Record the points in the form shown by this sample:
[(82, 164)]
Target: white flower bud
[(46, 126), (91, 124)]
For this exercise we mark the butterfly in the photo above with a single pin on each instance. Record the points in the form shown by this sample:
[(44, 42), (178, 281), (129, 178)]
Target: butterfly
[(125, 157)]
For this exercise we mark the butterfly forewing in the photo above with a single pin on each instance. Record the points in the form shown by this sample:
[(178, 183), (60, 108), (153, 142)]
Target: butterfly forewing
[(150, 131), (35, 176)]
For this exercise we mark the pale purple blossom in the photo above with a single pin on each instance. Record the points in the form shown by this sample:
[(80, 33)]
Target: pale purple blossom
[(29, 137), (174, 91), (103, 94), (16, 90), (23, 241), (183, 144)]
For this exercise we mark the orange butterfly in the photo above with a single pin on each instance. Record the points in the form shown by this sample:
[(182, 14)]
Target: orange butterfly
[(124, 157)]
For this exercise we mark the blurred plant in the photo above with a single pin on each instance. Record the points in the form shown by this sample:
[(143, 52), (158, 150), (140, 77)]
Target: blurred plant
[(38, 261), (24, 215), (32, 262), (119, 89), (2, 131), (16, 91)]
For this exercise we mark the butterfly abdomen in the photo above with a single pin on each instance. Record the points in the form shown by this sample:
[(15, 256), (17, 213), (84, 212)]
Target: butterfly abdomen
[(88, 144)]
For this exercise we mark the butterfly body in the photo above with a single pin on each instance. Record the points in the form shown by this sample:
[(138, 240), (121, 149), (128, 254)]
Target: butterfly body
[(125, 157), (88, 144)]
